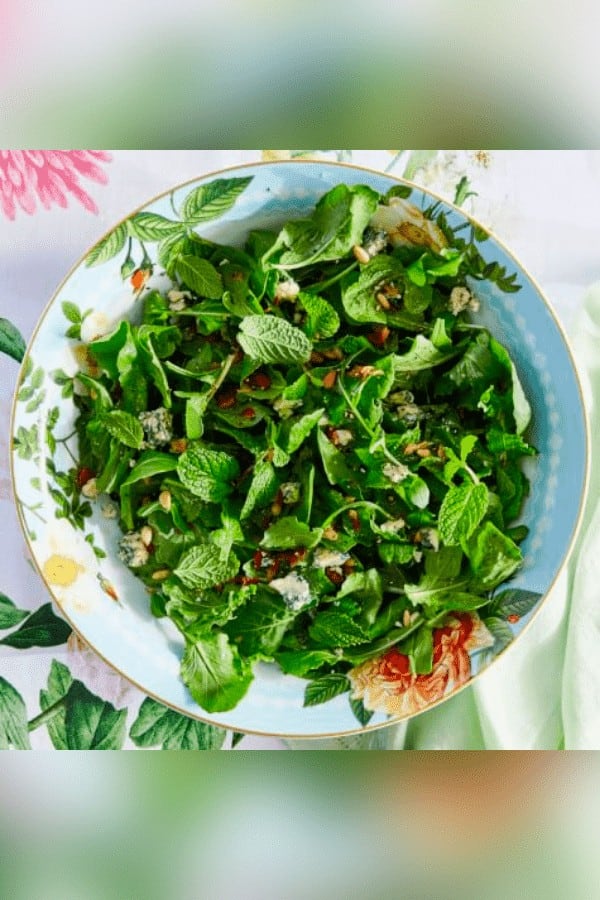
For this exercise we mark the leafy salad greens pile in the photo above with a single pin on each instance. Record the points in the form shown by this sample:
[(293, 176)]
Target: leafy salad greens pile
[(315, 451)]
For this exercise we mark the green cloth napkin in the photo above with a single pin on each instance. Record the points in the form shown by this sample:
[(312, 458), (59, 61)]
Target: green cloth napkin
[(544, 692)]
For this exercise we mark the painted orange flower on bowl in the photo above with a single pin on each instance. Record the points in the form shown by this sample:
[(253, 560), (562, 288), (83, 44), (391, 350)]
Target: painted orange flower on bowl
[(386, 684)]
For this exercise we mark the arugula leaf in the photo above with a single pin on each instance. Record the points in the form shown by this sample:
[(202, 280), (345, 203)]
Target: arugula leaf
[(337, 224), (10, 615), (106, 349), (301, 662), (493, 557), (419, 649), (287, 533), (149, 464), (41, 629), (13, 719), (215, 673), (323, 321), (259, 626), (262, 490), (423, 354), (359, 299), (325, 688), (200, 276), (296, 431), (461, 511), (207, 473), (368, 589), (152, 365), (124, 427), (272, 340), (333, 460), (429, 267), (205, 565), (157, 725)]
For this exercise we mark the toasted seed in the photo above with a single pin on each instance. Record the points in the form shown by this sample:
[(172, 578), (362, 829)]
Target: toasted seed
[(329, 380), (423, 452), (361, 254), (146, 535), (164, 498), (161, 574), (330, 534), (276, 508), (406, 618), (179, 445), (383, 301), (316, 358), (333, 353)]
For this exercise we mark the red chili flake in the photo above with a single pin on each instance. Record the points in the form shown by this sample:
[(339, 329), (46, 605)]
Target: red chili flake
[(139, 279), (292, 557), (226, 399), (248, 413), (335, 576), (513, 618), (379, 335), (83, 476), (260, 381)]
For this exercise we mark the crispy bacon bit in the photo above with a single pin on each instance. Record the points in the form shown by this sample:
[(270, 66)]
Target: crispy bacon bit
[(83, 476), (248, 413), (259, 381), (329, 380), (257, 559), (226, 399), (316, 358), (336, 576), (379, 336), (179, 445), (354, 519), (245, 579)]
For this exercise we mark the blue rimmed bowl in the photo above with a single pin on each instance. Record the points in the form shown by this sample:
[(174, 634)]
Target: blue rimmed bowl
[(74, 545)]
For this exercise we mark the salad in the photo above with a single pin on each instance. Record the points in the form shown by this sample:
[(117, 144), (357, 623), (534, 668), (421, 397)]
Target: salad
[(315, 451)]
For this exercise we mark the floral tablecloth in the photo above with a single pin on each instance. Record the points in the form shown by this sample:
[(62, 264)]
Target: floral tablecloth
[(53, 206)]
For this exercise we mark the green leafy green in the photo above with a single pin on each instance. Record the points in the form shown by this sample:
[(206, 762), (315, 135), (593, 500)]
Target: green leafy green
[(215, 673), (207, 473), (462, 510), (205, 565), (271, 340), (287, 533), (323, 321), (200, 276), (124, 427)]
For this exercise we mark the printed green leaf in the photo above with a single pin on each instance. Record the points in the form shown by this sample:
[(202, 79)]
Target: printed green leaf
[(13, 719), (41, 629), (325, 688), (125, 427), (148, 226), (205, 565), (323, 321), (515, 602), (10, 615), (215, 673), (59, 682), (11, 340), (156, 725), (92, 723), (209, 201), (500, 631), (207, 473), (461, 511), (149, 464), (288, 533), (361, 714), (71, 312), (272, 340), (200, 276), (108, 246), (262, 489)]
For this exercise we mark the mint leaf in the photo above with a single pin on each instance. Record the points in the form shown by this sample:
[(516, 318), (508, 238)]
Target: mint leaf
[(271, 340), (125, 427), (209, 201), (59, 682), (288, 533), (157, 725), (513, 445), (11, 340), (41, 629), (262, 490), (92, 723), (205, 565), (214, 672), (325, 688), (359, 299), (13, 719), (337, 224), (300, 662), (323, 321), (149, 464), (493, 557), (336, 629), (207, 473), (200, 276), (10, 615), (461, 511)]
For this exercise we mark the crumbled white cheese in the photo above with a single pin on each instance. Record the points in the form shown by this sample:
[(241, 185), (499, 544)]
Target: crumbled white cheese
[(132, 550), (396, 473), (284, 407), (109, 510), (393, 527), (430, 538), (290, 492), (287, 290), (460, 299), (343, 437), (294, 589), (90, 489), (177, 300), (329, 559), (158, 427)]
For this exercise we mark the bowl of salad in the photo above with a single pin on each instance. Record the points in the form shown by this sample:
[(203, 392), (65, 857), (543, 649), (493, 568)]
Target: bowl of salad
[(299, 449)]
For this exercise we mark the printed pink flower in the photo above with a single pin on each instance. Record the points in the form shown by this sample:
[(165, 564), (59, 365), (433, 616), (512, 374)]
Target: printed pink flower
[(387, 684), (49, 175)]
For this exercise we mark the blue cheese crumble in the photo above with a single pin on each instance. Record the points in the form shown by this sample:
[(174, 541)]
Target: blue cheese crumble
[(158, 427), (132, 550), (294, 589)]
